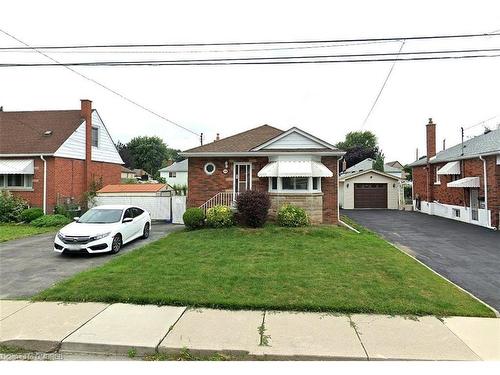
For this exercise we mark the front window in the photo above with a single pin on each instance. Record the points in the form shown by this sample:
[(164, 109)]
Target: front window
[(294, 183), (101, 216), (95, 137), (171, 174), (16, 181)]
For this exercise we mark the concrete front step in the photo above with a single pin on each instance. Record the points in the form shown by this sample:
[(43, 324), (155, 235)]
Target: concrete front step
[(124, 329)]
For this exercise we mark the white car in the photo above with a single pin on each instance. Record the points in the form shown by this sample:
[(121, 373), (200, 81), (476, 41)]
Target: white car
[(102, 229)]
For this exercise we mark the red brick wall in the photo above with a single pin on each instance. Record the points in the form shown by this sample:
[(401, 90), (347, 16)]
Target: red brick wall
[(202, 187), (457, 196), (65, 177), (330, 191)]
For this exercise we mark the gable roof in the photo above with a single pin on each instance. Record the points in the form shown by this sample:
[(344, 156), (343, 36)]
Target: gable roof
[(488, 143), (179, 166), (255, 141), (27, 128), (240, 142), (313, 141), (367, 164), (133, 188), (347, 176)]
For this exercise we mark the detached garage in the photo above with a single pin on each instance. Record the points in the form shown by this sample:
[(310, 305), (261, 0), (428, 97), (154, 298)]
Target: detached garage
[(369, 189)]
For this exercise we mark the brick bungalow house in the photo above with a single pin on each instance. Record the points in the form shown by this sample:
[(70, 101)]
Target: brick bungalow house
[(461, 182), (46, 156), (293, 166)]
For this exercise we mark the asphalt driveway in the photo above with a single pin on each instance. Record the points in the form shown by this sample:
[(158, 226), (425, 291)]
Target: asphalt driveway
[(29, 265), (466, 254)]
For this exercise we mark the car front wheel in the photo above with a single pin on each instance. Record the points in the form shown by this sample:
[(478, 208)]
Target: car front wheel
[(116, 244), (145, 232)]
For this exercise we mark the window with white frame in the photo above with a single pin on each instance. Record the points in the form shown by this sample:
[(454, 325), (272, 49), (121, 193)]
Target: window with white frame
[(295, 184), (95, 136), (172, 174), (16, 181), (437, 181)]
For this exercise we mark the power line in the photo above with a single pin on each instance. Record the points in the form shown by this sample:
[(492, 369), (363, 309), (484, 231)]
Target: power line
[(461, 36), (8, 50), (481, 122), (225, 62), (262, 58), (383, 86), (100, 84)]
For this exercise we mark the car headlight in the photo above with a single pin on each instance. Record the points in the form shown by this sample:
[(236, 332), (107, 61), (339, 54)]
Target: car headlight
[(99, 236), (60, 236)]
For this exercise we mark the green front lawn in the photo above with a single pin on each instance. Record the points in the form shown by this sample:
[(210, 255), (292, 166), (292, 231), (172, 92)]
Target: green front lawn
[(317, 269), (13, 231)]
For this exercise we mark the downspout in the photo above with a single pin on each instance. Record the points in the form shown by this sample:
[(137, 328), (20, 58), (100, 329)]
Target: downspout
[(338, 195), (485, 182), (44, 184)]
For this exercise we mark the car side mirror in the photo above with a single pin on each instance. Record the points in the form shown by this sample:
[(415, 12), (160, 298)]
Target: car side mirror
[(76, 218), (127, 220)]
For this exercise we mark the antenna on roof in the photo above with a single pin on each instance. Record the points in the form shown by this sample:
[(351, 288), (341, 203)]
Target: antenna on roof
[(462, 129), (201, 139)]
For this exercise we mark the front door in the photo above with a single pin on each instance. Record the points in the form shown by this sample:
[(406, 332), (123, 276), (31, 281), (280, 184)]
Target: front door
[(242, 178), (474, 204)]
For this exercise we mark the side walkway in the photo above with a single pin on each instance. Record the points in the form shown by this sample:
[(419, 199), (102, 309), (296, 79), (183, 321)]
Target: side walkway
[(120, 328)]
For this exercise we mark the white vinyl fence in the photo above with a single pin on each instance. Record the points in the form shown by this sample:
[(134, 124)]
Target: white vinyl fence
[(178, 208)]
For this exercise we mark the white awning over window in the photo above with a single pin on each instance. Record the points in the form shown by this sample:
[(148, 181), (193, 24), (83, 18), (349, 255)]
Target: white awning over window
[(17, 166), (453, 167), (295, 169), (467, 182)]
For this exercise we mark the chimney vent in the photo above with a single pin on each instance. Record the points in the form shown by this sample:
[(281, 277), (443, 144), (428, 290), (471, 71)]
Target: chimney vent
[(47, 133), (431, 139), (217, 137)]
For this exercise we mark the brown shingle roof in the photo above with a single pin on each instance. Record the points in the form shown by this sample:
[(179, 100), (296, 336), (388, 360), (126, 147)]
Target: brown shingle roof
[(23, 132), (133, 188), (241, 142)]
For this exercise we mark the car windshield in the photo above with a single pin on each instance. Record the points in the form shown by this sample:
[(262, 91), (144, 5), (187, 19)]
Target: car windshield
[(101, 216)]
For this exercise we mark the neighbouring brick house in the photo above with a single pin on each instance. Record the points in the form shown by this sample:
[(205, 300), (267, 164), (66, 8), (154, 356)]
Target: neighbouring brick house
[(47, 156), (461, 182), (293, 166)]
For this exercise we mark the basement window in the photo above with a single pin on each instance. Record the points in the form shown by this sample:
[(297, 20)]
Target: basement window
[(456, 213)]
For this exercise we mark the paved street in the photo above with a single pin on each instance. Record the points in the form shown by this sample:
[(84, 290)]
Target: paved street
[(119, 329), (29, 265), (466, 254)]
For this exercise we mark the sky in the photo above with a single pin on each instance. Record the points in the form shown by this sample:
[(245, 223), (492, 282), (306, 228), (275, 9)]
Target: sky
[(327, 100)]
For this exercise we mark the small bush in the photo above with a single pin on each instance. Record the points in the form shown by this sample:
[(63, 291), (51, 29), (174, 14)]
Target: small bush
[(51, 221), (292, 216), (30, 214), (11, 207), (219, 217), (194, 218), (252, 207)]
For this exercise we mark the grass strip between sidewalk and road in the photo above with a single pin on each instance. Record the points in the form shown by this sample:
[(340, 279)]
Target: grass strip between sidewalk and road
[(318, 268)]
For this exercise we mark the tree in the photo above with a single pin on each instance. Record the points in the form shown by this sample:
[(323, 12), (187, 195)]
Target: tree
[(359, 145), (409, 172), (378, 164), (148, 153), (173, 155), (124, 152)]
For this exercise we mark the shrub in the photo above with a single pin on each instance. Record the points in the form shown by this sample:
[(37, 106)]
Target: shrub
[(219, 217), (194, 218), (253, 206), (51, 221), (11, 207), (30, 214), (292, 216)]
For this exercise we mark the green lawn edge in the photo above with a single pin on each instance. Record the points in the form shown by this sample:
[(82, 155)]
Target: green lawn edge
[(10, 232), (122, 280)]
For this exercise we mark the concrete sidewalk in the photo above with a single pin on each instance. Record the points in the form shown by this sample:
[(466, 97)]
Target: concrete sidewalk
[(120, 328)]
